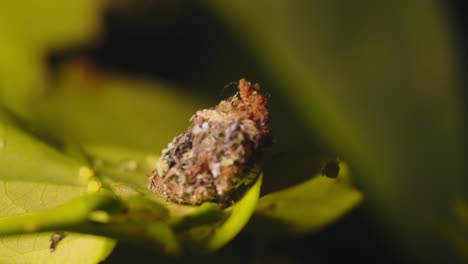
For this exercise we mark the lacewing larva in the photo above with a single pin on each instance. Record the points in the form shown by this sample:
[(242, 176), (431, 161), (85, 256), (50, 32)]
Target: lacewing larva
[(213, 157)]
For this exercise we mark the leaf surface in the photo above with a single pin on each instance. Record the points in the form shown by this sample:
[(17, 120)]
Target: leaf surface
[(306, 207)]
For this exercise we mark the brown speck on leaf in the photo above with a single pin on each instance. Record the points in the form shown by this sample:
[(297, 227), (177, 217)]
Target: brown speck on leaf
[(55, 239), (216, 153)]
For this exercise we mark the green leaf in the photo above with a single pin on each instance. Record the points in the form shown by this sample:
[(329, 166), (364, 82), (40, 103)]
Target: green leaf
[(240, 214), (456, 236), (377, 80), (20, 197), (304, 208), (34, 177), (40, 24), (114, 110), (73, 249), (27, 159), (216, 230), (28, 30)]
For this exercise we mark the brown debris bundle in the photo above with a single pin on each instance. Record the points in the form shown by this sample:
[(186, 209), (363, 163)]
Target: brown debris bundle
[(214, 156)]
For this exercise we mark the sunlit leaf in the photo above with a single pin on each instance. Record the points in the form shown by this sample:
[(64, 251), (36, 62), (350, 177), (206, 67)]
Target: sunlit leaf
[(304, 208), (20, 197), (240, 214), (74, 248), (34, 177)]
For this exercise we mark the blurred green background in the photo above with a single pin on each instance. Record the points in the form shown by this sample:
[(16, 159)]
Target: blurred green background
[(380, 84)]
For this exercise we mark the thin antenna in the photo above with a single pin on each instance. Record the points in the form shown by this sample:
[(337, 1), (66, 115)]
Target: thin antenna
[(226, 87)]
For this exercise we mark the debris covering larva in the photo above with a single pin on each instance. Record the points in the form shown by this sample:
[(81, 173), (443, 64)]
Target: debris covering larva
[(213, 156)]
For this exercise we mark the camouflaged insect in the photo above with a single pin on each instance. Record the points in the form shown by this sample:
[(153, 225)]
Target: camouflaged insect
[(213, 158)]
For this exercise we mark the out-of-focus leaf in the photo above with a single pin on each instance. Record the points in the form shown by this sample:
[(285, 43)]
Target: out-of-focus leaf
[(41, 24), (461, 211), (26, 159), (306, 207), (458, 237), (112, 110), (28, 29), (377, 80)]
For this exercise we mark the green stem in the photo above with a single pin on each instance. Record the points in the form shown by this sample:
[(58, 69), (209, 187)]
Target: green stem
[(69, 215), (97, 214)]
